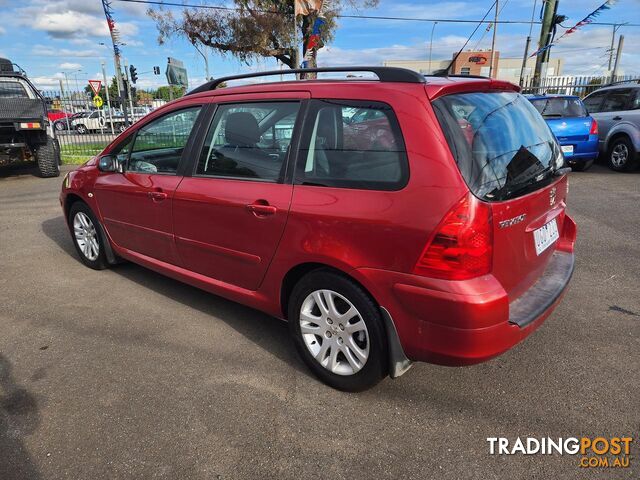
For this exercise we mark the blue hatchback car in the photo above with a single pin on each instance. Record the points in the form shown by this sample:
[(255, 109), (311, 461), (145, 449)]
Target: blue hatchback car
[(576, 131)]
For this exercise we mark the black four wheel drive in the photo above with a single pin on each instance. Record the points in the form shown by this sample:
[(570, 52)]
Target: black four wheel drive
[(26, 135)]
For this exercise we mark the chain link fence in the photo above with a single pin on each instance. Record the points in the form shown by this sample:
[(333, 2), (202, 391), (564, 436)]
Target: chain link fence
[(84, 127)]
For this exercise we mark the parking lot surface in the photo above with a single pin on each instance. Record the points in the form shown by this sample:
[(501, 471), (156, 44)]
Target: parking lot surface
[(127, 374)]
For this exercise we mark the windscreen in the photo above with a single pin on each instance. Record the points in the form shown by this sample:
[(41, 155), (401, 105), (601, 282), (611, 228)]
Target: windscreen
[(502, 145), (559, 107)]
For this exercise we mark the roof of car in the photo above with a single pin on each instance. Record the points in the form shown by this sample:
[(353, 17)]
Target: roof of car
[(435, 85)]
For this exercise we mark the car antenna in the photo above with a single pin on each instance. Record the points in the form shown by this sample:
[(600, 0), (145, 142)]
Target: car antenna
[(445, 71)]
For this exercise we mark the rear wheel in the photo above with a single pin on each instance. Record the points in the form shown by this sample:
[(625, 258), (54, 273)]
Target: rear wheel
[(622, 156), (86, 236), (59, 126), (48, 159), (583, 166), (338, 331), (81, 129)]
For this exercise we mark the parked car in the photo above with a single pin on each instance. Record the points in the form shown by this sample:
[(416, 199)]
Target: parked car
[(617, 111), (97, 121), (438, 245), (575, 129), (65, 123), (54, 115), (26, 135)]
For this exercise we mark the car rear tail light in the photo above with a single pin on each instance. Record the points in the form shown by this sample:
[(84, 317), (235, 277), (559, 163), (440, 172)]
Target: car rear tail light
[(594, 127), (462, 246)]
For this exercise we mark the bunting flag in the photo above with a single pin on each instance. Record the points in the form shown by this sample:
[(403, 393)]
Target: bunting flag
[(306, 7), (585, 21)]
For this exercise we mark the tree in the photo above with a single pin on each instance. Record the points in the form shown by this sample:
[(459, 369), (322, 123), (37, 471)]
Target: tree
[(163, 92), (253, 29)]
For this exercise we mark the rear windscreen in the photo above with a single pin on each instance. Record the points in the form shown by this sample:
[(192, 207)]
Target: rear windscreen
[(12, 90), (559, 107), (500, 142)]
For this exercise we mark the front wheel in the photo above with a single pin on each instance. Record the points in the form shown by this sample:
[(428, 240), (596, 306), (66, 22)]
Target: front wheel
[(338, 331), (622, 155), (81, 129), (86, 236)]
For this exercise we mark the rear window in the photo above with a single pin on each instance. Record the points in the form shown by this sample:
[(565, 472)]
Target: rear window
[(500, 142), (559, 107), (12, 90), (352, 144)]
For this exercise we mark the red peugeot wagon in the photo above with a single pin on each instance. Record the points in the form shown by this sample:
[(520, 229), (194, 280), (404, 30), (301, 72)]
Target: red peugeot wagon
[(389, 220)]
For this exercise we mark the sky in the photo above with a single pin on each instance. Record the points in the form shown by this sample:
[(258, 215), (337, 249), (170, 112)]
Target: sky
[(50, 37)]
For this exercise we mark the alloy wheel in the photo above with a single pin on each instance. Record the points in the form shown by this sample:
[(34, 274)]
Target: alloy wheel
[(86, 236), (334, 332), (619, 155)]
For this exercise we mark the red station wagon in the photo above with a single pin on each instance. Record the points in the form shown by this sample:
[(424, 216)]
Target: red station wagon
[(390, 220)]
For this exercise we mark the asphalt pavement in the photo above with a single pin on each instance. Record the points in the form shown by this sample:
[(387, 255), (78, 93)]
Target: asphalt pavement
[(127, 374)]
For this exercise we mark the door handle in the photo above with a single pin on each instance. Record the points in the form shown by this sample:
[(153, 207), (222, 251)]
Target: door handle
[(617, 117), (260, 210), (159, 196)]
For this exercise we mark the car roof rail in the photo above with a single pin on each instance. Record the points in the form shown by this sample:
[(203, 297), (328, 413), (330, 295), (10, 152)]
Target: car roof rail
[(459, 75), (619, 82), (384, 74)]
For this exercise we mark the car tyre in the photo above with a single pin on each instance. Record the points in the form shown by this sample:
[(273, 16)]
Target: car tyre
[(622, 157), (81, 129), (59, 126), (48, 159), (86, 234), (583, 166), (348, 352)]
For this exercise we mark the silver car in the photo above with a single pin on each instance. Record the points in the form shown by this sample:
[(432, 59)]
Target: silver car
[(616, 108)]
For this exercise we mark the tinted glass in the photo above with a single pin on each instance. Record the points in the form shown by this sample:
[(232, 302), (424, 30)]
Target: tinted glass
[(594, 101), (352, 145), (502, 145), (12, 90), (158, 146), (249, 140), (559, 107), (617, 100)]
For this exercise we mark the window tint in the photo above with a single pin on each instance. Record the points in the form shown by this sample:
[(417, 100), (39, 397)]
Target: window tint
[(593, 101), (352, 145), (617, 100), (636, 101), (158, 146), (249, 140), (12, 90)]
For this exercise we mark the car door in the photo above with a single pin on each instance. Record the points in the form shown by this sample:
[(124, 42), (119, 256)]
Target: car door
[(612, 109), (230, 214), (136, 205)]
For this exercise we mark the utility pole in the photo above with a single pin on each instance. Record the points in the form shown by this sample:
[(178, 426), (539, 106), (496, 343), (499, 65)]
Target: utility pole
[(106, 90), (613, 39), (493, 71), (206, 60), (618, 56), (62, 94), (550, 10), (526, 45)]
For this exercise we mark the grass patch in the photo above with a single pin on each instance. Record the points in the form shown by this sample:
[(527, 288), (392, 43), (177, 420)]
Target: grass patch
[(76, 154)]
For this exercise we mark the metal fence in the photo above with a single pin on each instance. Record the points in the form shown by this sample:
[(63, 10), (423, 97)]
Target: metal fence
[(572, 85), (83, 129)]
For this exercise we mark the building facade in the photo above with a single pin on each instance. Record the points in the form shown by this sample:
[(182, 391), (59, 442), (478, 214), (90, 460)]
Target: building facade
[(478, 62)]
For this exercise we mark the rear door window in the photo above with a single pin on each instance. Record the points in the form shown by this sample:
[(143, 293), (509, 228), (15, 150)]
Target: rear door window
[(501, 144), (352, 144), (594, 101), (617, 100)]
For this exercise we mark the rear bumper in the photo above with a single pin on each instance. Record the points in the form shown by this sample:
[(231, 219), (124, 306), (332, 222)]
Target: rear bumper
[(471, 321), (582, 151)]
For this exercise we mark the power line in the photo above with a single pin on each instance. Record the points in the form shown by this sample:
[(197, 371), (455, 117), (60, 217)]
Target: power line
[(353, 16)]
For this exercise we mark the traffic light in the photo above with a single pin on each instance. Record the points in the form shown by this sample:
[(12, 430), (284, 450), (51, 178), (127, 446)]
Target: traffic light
[(156, 70), (133, 74)]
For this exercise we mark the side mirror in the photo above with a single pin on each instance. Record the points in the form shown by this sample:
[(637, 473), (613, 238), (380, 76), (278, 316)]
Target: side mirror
[(108, 163)]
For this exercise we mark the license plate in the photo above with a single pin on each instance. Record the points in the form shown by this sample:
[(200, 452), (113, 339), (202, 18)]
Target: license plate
[(545, 236), (567, 149)]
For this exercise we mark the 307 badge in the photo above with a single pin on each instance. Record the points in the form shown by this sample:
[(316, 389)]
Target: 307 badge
[(552, 197)]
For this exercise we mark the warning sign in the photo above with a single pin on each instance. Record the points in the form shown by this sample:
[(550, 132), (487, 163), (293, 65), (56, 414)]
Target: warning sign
[(97, 101)]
